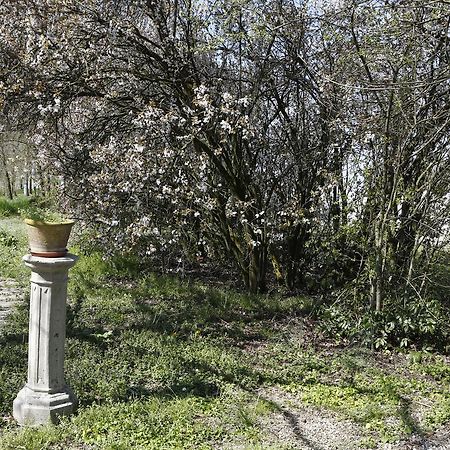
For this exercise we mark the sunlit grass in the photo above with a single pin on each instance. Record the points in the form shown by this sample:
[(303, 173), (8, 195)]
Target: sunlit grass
[(158, 362)]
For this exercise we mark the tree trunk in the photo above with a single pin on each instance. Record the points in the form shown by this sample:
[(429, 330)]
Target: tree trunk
[(9, 188), (377, 280), (26, 191), (257, 270)]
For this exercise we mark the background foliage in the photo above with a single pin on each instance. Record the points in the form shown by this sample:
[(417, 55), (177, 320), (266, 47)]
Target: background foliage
[(303, 144)]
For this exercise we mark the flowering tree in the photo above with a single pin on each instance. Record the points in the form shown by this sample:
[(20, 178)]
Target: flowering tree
[(278, 134), (157, 110)]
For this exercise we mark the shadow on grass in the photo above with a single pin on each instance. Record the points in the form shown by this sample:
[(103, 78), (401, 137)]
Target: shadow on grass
[(177, 319), (410, 423), (170, 307), (388, 389), (293, 422), (180, 313), (174, 314)]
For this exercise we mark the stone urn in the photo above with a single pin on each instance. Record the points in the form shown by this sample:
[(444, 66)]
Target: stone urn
[(48, 239)]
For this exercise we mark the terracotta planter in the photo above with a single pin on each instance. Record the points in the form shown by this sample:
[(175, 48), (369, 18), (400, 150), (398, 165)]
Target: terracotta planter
[(48, 239)]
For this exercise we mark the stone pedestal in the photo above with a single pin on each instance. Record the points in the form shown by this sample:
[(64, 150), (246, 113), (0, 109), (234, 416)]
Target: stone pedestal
[(46, 396)]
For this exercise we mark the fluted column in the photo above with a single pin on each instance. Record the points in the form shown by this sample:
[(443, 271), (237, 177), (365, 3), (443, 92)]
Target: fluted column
[(46, 395)]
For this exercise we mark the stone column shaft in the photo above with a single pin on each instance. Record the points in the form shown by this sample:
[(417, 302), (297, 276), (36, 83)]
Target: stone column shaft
[(46, 396)]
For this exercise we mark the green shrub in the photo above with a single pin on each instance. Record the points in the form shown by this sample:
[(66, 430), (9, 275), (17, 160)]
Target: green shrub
[(416, 323)]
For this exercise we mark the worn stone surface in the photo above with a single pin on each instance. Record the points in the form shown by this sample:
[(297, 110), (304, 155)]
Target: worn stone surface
[(46, 396)]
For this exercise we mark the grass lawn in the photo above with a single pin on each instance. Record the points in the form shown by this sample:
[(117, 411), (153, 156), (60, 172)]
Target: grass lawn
[(161, 363)]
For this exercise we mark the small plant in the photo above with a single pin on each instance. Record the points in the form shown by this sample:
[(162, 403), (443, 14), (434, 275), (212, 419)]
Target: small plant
[(37, 214), (7, 239)]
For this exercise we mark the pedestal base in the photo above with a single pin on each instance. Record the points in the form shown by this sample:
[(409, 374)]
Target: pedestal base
[(38, 408)]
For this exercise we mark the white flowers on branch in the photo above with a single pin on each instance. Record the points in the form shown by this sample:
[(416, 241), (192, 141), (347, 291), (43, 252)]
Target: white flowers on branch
[(178, 136)]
